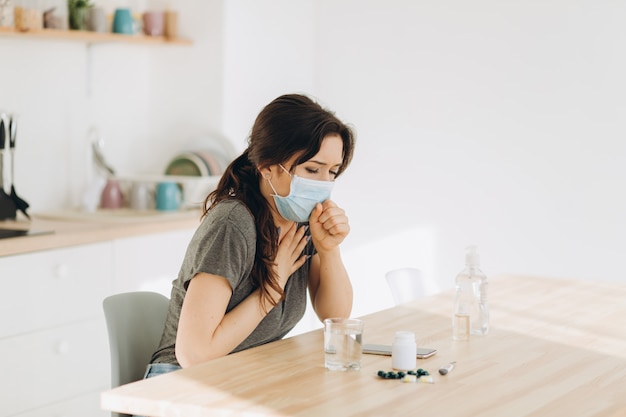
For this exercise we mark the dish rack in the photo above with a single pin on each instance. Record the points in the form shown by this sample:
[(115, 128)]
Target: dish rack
[(194, 188)]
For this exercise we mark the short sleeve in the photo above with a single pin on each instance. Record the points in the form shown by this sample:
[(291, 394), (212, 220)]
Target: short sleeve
[(224, 244)]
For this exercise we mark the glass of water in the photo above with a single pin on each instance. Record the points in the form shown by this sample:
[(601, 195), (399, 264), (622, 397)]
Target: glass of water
[(343, 344)]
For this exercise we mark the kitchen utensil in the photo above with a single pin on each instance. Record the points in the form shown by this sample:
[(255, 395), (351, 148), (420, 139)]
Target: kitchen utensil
[(97, 146), (9, 233), (7, 206), (20, 204)]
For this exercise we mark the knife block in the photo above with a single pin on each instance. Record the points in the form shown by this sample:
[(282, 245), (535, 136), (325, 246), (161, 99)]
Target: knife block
[(8, 210)]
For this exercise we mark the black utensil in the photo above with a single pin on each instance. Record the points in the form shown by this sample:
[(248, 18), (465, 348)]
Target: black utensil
[(7, 206), (20, 204)]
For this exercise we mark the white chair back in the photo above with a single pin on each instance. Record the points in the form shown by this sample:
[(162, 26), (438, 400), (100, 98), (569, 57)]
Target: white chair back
[(135, 322)]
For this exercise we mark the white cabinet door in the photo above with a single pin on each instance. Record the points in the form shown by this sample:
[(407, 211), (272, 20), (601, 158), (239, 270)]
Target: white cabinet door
[(53, 338), (150, 262), (46, 367), (52, 288)]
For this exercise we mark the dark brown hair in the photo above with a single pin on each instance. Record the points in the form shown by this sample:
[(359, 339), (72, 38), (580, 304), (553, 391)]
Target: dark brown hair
[(290, 125)]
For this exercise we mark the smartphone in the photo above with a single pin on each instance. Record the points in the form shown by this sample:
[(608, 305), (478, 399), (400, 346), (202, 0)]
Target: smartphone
[(422, 353)]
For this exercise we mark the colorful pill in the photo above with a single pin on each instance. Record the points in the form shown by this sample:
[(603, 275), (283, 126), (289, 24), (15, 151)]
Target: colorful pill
[(409, 378)]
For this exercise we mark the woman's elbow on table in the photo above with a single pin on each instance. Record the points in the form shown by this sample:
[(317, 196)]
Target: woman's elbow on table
[(187, 356)]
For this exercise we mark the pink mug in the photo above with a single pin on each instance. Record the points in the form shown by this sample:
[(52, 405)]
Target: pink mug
[(154, 23), (112, 197)]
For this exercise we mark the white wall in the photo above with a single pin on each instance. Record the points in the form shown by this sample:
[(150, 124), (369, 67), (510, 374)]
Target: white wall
[(495, 123), (268, 51), (147, 101)]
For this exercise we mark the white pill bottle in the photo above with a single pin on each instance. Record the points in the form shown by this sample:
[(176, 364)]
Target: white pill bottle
[(404, 351)]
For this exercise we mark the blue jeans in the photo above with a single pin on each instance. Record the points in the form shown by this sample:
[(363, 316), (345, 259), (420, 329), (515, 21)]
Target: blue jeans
[(155, 369)]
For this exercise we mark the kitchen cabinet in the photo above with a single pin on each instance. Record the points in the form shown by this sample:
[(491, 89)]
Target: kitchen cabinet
[(51, 334), (90, 37), (52, 288), (53, 337), (54, 366)]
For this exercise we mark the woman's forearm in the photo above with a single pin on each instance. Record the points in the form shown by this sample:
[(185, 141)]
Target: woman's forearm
[(333, 297), (200, 344)]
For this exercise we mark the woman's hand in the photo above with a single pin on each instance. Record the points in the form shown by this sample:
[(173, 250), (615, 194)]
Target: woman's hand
[(289, 257), (329, 226)]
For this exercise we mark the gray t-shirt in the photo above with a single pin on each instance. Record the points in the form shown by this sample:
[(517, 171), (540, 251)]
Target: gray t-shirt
[(225, 245)]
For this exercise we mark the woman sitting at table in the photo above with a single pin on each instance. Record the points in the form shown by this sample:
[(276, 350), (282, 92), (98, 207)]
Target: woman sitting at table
[(269, 231)]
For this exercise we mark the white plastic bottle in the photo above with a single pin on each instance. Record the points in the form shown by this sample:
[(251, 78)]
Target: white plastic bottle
[(404, 351), (471, 310)]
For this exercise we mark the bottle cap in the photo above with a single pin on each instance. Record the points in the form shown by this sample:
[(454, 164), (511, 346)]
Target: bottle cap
[(404, 336), (471, 256)]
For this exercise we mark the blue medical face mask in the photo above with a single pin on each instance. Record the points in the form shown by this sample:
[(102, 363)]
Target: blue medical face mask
[(304, 194)]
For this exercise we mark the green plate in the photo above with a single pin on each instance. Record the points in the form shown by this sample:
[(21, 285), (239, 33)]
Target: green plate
[(187, 164)]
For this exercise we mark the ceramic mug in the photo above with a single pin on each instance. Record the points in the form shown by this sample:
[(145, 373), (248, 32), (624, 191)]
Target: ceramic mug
[(153, 23), (171, 24), (168, 196), (97, 20), (123, 22), (112, 197), (141, 197)]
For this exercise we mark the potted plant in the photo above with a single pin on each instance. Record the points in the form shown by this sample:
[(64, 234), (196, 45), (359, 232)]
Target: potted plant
[(77, 12)]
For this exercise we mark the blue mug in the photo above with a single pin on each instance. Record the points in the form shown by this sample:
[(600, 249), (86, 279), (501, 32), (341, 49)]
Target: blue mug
[(168, 196), (123, 22)]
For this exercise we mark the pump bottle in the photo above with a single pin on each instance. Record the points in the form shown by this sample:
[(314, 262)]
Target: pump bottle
[(471, 310)]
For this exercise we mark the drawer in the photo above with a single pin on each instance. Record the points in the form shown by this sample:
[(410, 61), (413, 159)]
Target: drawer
[(53, 288), (44, 368), (83, 406)]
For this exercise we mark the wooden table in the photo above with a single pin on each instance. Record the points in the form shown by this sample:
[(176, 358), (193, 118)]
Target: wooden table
[(556, 348)]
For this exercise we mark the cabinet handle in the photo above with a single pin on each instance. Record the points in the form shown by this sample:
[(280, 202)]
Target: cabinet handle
[(63, 348), (61, 271)]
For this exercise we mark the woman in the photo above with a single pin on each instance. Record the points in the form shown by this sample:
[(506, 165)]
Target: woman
[(247, 269)]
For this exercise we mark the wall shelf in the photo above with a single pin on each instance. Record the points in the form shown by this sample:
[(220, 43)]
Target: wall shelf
[(90, 37)]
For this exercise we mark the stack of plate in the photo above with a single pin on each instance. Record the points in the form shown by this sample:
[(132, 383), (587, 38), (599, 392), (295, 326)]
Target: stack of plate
[(200, 163)]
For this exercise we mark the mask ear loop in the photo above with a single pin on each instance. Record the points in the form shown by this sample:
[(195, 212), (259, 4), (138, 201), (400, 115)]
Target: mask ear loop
[(267, 177), (284, 169)]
